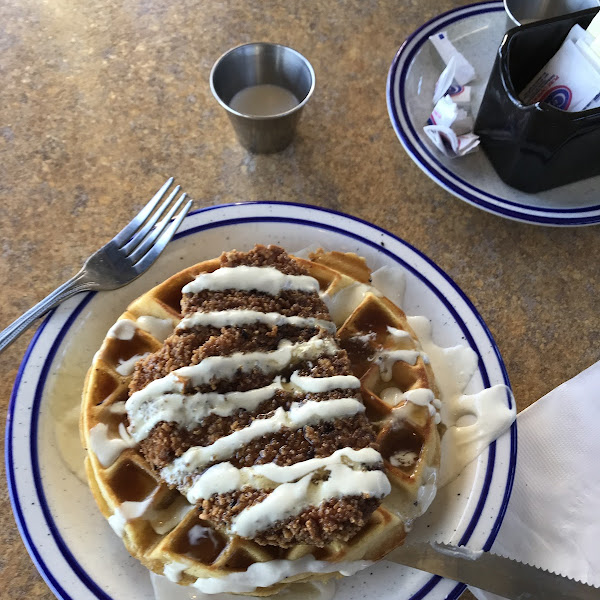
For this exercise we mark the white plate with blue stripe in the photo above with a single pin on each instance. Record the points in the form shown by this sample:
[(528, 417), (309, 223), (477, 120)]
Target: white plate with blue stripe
[(476, 31), (72, 545)]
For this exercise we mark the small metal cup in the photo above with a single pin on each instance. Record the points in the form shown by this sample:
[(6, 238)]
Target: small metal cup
[(521, 12), (256, 64)]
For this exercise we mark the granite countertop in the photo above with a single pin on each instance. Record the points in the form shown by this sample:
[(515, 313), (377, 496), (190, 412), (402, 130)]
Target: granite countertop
[(102, 101)]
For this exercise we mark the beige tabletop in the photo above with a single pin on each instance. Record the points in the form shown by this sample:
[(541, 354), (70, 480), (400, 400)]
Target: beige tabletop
[(101, 101)]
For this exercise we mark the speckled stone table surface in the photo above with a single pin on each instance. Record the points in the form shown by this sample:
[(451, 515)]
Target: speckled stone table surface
[(101, 101)]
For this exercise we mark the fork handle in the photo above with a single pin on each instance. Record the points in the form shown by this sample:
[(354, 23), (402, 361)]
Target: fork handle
[(66, 290)]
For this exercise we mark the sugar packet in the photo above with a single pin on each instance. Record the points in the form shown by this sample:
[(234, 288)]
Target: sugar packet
[(570, 80), (450, 144), (567, 81)]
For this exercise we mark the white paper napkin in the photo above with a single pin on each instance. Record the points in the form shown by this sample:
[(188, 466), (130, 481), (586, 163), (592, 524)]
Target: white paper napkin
[(553, 517)]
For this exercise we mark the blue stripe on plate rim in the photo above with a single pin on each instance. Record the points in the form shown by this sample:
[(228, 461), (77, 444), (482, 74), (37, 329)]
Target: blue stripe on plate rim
[(432, 166), (47, 572)]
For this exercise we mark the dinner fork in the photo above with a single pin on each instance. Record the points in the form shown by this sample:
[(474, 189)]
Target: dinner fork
[(123, 259)]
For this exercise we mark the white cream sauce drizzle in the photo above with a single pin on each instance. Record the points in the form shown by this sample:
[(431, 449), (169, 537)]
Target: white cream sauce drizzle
[(147, 408), (365, 339), (197, 533), (106, 449), (160, 329), (464, 441), (173, 571), (124, 329), (324, 384), (428, 488), (162, 400), (299, 415), (262, 279), (453, 368), (420, 396), (386, 359), (164, 520), (118, 408), (225, 367), (241, 317), (394, 397), (399, 334), (403, 458), (265, 574), (128, 511), (224, 477), (291, 499), (126, 367), (309, 590)]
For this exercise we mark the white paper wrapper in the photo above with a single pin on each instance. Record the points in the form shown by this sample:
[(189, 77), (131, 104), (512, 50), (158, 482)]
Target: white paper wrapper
[(450, 144), (567, 81), (447, 113), (450, 125), (570, 80), (446, 84), (445, 81), (464, 71), (552, 520), (594, 61)]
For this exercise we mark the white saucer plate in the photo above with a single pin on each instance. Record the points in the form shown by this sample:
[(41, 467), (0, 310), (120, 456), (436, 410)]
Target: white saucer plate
[(476, 31), (72, 545)]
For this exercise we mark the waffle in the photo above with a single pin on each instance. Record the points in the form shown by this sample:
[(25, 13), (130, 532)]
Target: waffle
[(197, 543)]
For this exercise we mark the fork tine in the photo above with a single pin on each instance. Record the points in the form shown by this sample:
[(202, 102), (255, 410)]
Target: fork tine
[(162, 241), (138, 238), (156, 232), (129, 229)]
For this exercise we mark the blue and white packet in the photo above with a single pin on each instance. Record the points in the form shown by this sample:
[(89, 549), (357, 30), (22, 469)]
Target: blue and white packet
[(570, 80)]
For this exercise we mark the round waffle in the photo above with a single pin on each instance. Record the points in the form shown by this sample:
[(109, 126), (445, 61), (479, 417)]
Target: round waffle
[(202, 543)]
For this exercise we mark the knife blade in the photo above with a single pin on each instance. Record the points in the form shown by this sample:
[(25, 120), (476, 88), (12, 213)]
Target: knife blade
[(492, 573)]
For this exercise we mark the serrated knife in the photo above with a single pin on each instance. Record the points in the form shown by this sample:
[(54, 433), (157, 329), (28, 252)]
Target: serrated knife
[(493, 573)]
